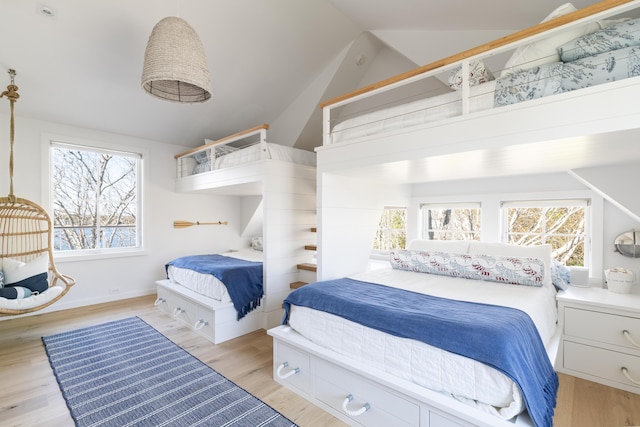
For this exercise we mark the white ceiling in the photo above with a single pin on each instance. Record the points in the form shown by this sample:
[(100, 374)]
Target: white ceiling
[(82, 66)]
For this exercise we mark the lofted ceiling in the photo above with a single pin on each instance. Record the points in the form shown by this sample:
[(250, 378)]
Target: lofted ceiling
[(82, 66)]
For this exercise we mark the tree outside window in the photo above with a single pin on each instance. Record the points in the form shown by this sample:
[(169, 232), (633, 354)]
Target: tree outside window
[(95, 200), (453, 221), (392, 230), (561, 224)]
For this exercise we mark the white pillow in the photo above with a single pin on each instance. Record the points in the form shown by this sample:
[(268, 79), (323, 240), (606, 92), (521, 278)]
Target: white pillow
[(453, 246), (542, 252), (545, 51), (15, 271)]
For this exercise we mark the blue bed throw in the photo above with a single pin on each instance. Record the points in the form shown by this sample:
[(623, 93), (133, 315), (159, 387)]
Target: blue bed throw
[(501, 337), (243, 279)]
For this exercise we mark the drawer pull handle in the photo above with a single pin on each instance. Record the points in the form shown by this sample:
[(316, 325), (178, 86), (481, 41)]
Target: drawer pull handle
[(625, 371), (200, 324), (177, 311), (159, 300), (627, 335), (351, 413), (288, 374)]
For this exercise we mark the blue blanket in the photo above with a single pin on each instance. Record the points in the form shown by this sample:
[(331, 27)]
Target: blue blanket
[(501, 337), (243, 279)]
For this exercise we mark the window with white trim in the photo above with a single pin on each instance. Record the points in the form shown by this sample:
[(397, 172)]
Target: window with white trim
[(450, 221), (563, 224), (95, 198), (392, 230)]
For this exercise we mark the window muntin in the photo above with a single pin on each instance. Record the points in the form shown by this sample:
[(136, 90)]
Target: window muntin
[(392, 230), (451, 221), (561, 223), (95, 199)]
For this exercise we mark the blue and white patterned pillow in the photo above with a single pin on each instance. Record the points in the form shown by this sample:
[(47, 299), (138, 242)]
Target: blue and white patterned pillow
[(560, 275), (1, 279), (502, 269), (617, 36)]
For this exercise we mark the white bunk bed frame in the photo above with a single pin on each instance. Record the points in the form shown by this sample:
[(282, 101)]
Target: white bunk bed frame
[(288, 205), (360, 395)]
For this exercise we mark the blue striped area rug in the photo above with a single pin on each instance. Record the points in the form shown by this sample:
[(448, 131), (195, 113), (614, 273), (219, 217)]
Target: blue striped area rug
[(125, 373)]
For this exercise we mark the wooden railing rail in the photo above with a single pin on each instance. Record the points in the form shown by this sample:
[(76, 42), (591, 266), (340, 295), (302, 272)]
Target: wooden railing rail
[(503, 41), (235, 136)]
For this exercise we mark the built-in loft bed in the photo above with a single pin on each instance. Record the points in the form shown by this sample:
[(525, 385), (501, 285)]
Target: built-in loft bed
[(537, 97), (236, 164), (280, 183), (360, 164)]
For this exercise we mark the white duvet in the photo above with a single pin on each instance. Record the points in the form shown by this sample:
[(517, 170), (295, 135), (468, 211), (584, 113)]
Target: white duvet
[(275, 152), (464, 379), (207, 284)]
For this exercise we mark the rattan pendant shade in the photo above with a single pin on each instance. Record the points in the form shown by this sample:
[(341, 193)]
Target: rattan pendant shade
[(175, 65)]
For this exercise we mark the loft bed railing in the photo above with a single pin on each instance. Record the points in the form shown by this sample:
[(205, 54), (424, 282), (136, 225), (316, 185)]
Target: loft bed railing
[(379, 95), (206, 158)]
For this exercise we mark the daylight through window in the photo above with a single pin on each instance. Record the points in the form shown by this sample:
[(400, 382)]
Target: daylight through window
[(451, 221), (561, 223), (392, 230), (95, 198)]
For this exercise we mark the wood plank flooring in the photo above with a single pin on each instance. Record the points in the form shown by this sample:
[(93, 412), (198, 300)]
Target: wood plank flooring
[(29, 393)]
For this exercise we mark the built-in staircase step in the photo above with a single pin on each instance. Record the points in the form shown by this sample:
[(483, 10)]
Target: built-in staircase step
[(311, 247), (307, 266), (296, 285), (314, 229)]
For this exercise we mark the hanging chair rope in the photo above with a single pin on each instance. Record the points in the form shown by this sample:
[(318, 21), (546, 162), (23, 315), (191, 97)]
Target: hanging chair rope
[(12, 94), (26, 234)]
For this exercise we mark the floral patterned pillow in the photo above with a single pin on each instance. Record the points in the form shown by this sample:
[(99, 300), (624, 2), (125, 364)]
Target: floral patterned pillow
[(478, 74), (502, 269)]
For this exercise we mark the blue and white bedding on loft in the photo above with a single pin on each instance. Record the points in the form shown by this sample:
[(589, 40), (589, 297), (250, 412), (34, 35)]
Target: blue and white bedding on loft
[(607, 55), (242, 279), (501, 337)]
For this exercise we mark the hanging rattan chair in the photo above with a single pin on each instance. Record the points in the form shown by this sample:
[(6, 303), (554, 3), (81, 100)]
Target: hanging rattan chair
[(26, 233)]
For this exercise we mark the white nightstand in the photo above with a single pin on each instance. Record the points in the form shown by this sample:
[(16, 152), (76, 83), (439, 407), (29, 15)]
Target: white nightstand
[(600, 336)]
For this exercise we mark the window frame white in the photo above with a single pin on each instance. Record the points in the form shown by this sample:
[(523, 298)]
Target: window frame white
[(423, 231), (88, 144), (380, 252)]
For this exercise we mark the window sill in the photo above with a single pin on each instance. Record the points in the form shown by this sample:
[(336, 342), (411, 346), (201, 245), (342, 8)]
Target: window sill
[(62, 257)]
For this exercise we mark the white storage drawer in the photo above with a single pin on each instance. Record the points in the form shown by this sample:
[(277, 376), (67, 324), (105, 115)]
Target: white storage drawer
[(292, 366), (602, 363), (601, 327), (205, 322), (333, 385)]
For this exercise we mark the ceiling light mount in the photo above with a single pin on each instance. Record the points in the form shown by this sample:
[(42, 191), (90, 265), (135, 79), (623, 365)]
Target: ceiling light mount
[(45, 10)]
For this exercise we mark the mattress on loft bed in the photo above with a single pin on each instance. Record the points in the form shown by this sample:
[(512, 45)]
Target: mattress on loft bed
[(276, 152), (207, 284), (462, 378), (581, 60)]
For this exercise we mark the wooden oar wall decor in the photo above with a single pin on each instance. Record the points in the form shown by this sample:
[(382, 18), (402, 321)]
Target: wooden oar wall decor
[(185, 224)]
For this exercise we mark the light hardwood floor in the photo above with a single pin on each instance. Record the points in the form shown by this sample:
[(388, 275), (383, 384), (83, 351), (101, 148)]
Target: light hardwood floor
[(29, 393)]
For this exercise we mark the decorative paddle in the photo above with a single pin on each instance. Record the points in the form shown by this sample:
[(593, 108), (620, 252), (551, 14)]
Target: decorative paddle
[(185, 224)]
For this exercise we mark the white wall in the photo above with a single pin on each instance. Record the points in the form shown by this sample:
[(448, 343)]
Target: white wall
[(106, 279)]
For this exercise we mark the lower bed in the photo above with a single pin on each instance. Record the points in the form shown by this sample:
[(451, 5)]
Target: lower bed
[(475, 384), (219, 308)]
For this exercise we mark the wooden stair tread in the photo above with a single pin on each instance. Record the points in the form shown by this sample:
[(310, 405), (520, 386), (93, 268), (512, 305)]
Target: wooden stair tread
[(314, 229), (311, 247), (307, 266), (296, 285)]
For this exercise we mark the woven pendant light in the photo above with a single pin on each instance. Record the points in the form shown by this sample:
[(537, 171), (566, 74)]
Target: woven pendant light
[(175, 66)]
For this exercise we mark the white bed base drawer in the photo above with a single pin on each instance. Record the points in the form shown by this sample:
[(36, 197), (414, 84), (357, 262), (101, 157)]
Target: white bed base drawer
[(604, 364), (214, 320), (367, 404), (602, 327), (331, 378), (291, 366)]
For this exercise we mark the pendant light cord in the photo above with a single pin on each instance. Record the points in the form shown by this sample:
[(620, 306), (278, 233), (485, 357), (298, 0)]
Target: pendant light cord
[(12, 94)]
